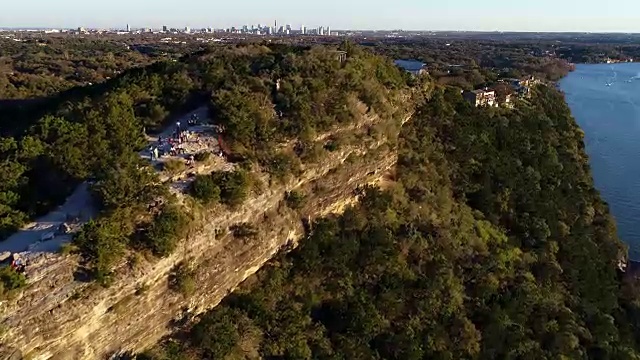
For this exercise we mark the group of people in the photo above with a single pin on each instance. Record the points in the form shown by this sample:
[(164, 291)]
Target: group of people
[(18, 265), (172, 146)]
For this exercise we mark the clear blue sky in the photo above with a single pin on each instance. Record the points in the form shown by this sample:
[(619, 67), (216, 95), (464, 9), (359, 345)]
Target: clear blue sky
[(522, 15)]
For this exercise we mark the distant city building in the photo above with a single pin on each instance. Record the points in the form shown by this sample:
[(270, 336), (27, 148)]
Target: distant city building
[(165, 28), (128, 28), (187, 29), (303, 30)]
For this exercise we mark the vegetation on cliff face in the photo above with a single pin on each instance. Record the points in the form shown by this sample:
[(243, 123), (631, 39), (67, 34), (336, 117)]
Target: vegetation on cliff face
[(492, 244)]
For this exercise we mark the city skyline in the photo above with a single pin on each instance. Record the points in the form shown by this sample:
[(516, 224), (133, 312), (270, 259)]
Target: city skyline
[(463, 15)]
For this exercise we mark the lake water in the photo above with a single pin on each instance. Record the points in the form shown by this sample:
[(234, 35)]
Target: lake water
[(610, 118)]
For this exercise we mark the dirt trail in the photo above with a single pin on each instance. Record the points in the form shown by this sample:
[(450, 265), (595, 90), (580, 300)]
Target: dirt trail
[(78, 205)]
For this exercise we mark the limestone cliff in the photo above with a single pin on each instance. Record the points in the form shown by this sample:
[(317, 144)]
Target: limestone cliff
[(58, 316)]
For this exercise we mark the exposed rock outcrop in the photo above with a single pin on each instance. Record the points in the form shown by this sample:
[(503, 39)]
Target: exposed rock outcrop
[(61, 317)]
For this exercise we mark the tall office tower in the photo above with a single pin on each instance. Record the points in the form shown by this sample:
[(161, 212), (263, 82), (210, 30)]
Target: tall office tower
[(320, 30), (303, 30), (187, 29), (128, 28), (328, 32), (164, 28)]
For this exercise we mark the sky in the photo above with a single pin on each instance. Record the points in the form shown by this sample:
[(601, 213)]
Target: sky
[(483, 15)]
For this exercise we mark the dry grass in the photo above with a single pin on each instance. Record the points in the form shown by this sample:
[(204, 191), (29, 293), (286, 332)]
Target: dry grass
[(173, 167)]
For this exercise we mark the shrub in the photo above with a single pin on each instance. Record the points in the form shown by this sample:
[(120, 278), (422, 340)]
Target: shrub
[(309, 152), (102, 242), (295, 199), (331, 146), (166, 230), (230, 188), (10, 280), (183, 280), (234, 186), (205, 189), (283, 165), (244, 230), (125, 186)]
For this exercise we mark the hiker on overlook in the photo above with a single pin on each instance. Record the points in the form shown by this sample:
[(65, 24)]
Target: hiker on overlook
[(18, 265)]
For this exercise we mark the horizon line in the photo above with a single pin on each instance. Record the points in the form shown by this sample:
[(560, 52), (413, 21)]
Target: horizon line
[(25, 28)]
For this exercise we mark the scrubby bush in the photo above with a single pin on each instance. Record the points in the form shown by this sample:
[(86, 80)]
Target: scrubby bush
[(205, 189), (228, 187), (183, 279), (10, 280), (244, 230), (295, 199), (331, 145), (234, 186), (166, 229), (102, 242), (126, 185), (282, 165)]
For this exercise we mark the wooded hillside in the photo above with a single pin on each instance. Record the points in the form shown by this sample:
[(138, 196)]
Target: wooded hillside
[(492, 244)]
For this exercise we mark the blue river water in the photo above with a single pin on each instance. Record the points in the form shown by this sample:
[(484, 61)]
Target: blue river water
[(605, 101)]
